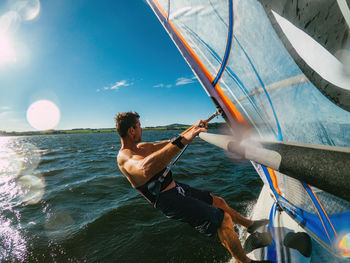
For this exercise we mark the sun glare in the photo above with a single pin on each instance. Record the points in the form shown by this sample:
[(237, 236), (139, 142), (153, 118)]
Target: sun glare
[(43, 115), (7, 53)]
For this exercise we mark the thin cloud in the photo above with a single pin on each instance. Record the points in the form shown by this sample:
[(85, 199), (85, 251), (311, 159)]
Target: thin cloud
[(161, 85), (116, 86), (4, 111), (184, 81), (4, 114), (178, 82)]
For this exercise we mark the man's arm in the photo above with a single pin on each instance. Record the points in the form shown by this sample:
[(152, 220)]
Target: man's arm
[(150, 165), (159, 145), (152, 147)]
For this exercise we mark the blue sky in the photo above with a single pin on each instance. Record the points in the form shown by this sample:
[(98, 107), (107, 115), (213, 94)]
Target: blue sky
[(94, 59)]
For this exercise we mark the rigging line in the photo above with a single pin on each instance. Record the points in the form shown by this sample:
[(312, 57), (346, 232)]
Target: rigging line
[(217, 13), (233, 76), (251, 99), (241, 85), (243, 88), (236, 79), (324, 211), (228, 42), (280, 138), (212, 66), (317, 210), (168, 15)]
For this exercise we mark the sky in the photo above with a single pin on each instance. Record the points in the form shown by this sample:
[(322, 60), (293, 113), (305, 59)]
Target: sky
[(92, 59)]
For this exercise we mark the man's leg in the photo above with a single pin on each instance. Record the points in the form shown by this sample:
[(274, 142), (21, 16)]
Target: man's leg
[(251, 226), (236, 217), (230, 240)]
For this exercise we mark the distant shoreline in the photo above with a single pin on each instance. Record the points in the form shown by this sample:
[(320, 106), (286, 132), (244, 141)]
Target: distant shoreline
[(214, 125)]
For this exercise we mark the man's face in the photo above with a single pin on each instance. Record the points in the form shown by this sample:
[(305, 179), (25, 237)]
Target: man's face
[(138, 131)]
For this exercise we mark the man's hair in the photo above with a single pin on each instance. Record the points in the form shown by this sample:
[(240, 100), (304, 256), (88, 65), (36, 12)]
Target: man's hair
[(125, 120)]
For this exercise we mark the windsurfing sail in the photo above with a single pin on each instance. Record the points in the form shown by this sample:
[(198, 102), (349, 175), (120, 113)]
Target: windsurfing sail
[(235, 52)]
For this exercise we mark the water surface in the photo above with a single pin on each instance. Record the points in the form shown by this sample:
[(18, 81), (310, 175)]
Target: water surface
[(63, 199)]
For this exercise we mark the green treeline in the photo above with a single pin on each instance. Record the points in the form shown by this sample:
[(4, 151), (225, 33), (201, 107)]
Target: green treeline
[(215, 125)]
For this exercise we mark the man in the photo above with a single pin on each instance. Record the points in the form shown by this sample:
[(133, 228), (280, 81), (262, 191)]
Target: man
[(144, 163)]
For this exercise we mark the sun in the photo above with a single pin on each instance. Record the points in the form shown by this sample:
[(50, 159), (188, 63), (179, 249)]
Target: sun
[(43, 115)]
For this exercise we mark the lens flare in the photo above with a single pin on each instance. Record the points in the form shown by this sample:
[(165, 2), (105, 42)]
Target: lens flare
[(59, 226), (344, 246), (32, 189), (27, 9), (43, 115)]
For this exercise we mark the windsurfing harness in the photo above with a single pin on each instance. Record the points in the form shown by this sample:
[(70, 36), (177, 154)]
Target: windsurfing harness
[(146, 192)]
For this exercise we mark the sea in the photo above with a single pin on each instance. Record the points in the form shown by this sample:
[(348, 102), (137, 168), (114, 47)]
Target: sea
[(63, 199)]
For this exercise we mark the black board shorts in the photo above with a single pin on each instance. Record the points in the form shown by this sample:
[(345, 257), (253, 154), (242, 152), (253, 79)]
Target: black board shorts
[(192, 206)]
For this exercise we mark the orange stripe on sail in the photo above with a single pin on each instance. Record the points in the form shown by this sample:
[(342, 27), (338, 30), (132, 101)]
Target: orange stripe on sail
[(323, 211), (228, 103), (325, 229), (274, 180), (233, 110), (160, 8)]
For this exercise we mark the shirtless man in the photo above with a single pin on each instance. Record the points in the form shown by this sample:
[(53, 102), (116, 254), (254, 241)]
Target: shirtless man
[(143, 163)]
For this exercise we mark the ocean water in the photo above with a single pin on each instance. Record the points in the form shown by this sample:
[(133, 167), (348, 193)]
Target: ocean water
[(63, 199)]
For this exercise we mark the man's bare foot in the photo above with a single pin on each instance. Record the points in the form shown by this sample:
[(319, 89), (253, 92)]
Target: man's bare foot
[(256, 224)]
